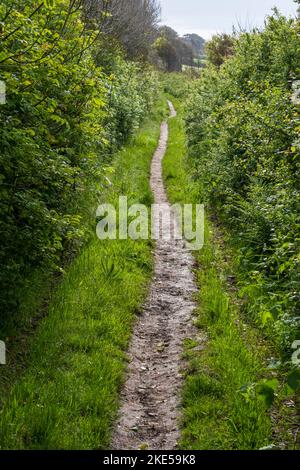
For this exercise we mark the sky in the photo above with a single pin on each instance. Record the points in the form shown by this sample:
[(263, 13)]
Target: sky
[(208, 17)]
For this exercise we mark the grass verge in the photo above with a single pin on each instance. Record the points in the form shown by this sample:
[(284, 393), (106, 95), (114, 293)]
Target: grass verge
[(68, 397), (227, 390)]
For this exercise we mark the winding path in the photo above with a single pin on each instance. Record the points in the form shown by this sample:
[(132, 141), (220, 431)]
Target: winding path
[(150, 410)]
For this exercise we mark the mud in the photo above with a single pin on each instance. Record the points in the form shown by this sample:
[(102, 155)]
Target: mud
[(150, 411)]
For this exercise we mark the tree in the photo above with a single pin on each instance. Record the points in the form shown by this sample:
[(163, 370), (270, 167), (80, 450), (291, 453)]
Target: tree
[(196, 42), (173, 50), (219, 49), (167, 53)]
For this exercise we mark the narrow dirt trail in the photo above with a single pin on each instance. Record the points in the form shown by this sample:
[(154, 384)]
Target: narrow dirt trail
[(150, 411)]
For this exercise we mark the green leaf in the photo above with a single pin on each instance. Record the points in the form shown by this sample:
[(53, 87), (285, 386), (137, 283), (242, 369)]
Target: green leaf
[(294, 380)]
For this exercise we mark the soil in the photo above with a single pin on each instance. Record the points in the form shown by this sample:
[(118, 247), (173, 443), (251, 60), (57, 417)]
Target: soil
[(150, 411)]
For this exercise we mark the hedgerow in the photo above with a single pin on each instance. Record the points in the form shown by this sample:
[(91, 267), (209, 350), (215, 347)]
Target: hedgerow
[(243, 135), (66, 111)]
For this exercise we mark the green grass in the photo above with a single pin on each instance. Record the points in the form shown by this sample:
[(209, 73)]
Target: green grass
[(217, 415), (69, 395)]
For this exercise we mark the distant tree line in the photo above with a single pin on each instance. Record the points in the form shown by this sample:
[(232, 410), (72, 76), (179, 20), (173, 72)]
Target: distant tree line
[(134, 24), (174, 51)]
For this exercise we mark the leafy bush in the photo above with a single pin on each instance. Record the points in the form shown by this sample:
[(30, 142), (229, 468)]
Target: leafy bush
[(64, 115), (131, 96), (243, 136)]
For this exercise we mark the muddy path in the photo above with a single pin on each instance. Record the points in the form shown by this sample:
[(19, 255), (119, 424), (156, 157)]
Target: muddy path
[(150, 411)]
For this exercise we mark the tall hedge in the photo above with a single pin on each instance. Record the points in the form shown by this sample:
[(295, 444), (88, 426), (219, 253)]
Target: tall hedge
[(243, 128)]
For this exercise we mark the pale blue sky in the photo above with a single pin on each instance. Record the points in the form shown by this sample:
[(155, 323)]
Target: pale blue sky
[(206, 17)]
